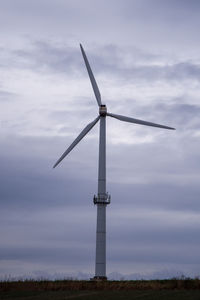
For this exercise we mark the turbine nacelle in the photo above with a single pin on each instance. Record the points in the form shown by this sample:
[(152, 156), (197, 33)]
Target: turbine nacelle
[(102, 110)]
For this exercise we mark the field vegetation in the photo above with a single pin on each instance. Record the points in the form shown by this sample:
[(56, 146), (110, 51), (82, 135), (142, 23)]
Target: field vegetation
[(78, 289), (81, 285)]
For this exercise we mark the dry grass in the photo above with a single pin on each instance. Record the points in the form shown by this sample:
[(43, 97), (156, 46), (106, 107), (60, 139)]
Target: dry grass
[(76, 285)]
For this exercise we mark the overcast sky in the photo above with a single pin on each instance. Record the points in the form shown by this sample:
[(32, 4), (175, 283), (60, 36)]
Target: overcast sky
[(145, 55)]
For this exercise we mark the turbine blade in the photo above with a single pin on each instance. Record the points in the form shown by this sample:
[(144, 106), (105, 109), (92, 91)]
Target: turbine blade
[(141, 122), (78, 139), (92, 79)]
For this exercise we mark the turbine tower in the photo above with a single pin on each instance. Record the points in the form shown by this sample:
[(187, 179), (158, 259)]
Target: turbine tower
[(102, 199)]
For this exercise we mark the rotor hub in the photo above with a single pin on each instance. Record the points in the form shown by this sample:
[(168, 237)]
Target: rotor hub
[(102, 110)]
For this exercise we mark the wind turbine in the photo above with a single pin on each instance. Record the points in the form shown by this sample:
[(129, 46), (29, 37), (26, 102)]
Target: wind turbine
[(102, 199)]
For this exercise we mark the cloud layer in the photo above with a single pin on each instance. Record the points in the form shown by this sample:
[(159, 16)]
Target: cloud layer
[(145, 57)]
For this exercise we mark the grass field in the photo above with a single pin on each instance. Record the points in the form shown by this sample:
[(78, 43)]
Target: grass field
[(103, 295), (76, 289)]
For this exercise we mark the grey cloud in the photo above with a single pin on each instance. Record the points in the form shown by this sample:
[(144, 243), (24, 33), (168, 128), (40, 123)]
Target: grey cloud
[(161, 25), (35, 191), (150, 226), (184, 115), (47, 216), (32, 178), (161, 255), (153, 196), (7, 96), (175, 72), (61, 256), (82, 109), (44, 55), (107, 60), (110, 61), (61, 58), (174, 111)]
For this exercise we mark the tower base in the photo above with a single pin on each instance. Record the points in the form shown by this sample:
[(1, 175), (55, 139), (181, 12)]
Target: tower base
[(99, 278)]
